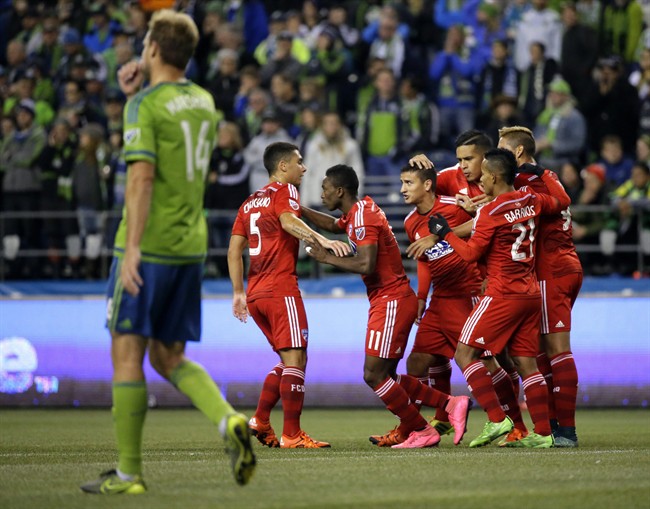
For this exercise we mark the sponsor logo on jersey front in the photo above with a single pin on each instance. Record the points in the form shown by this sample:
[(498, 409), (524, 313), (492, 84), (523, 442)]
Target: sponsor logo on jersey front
[(442, 248)]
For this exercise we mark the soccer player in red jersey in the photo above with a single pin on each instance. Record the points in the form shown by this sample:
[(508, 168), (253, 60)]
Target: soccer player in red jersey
[(509, 312), (559, 273), (393, 309), (269, 224), (463, 178), (456, 287)]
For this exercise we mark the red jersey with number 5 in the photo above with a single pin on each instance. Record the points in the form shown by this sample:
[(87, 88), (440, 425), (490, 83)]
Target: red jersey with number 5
[(504, 231), (273, 252), (366, 224), (451, 276), (556, 253)]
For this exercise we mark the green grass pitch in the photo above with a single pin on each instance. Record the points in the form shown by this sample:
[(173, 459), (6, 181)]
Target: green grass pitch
[(46, 454)]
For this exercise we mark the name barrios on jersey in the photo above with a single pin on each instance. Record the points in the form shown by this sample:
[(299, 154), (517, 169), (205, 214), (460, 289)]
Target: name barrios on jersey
[(257, 203), (514, 215)]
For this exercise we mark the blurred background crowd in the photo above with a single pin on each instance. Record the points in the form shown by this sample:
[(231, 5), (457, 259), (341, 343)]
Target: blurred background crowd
[(365, 83)]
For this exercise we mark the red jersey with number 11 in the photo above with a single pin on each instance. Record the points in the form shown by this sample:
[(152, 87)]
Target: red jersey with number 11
[(273, 252)]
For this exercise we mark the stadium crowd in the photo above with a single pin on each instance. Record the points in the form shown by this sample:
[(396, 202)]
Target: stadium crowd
[(363, 83)]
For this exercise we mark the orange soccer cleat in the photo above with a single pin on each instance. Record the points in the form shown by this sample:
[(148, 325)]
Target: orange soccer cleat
[(513, 436), (301, 441), (393, 437), (263, 432)]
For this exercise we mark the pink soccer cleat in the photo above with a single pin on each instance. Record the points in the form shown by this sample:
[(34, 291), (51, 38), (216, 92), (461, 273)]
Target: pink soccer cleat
[(427, 437), (458, 408)]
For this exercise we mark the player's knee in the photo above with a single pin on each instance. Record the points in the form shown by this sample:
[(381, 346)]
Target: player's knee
[(372, 378), (417, 365)]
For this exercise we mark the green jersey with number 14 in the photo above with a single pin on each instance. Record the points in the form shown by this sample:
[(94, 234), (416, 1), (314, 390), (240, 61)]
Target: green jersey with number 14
[(172, 126)]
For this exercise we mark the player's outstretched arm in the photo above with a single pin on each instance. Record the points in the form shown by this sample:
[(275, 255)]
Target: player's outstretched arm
[(320, 219), (297, 227), (139, 190), (236, 271), (363, 263)]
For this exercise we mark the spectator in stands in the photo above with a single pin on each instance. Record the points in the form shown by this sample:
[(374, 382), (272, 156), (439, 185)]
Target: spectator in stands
[(570, 177), (423, 118), (59, 231), (23, 89), (118, 54), (50, 50), (618, 166), (251, 20), (87, 191), (560, 130), (589, 12), (271, 131), (115, 183), (512, 14), (534, 82), (540, 24), (250, 122), (612, 106), (337, 20), (454, 73), (225, 84), (498, 78), (382, 129), (266, 49), (331, 145), (311, 20), (113, 106), (643, 148), (640, 79), (16, 59), (285, 101), (488, 30), (504, 113), (579, 51), (100, 36), (249, 79), (227, 188), (21, 186), (587, 225), (622, 25), (309, 122), (281, 59), (389, 44)]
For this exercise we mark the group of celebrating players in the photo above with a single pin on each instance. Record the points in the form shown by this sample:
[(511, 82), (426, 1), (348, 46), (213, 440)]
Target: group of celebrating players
[(492, 238)]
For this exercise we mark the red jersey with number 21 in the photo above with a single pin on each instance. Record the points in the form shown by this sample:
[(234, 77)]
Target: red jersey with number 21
[(366, 224), (273, 252), (504, 231)]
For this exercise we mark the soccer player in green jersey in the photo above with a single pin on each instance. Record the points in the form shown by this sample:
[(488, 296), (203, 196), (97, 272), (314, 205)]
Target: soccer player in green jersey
[(154, 291)]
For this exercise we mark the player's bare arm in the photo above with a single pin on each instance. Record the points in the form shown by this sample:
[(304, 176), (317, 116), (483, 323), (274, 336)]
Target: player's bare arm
[(297, 227), (139, 190), (421, 161), (236, 270), (321, 220), (363, 262), (418, 247)]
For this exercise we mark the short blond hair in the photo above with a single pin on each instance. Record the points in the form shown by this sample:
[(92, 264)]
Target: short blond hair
[(176, 35), (519, 135)]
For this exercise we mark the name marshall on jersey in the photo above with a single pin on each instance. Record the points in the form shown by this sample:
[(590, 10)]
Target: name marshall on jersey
[(188, 102)]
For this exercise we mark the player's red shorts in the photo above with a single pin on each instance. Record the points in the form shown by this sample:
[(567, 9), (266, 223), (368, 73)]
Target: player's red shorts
[(442, 324), (283, 321), (496, 323), (558, 296), (389, 325)]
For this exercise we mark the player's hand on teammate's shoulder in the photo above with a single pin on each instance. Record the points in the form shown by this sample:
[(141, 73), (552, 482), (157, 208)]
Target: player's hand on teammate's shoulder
[(418, 247), (421, 161), (130, 77), (239, 307)]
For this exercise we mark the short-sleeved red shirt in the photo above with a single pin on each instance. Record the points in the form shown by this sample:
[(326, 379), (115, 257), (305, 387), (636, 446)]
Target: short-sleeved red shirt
[(452, 181), (273, 252), (366, 224)]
